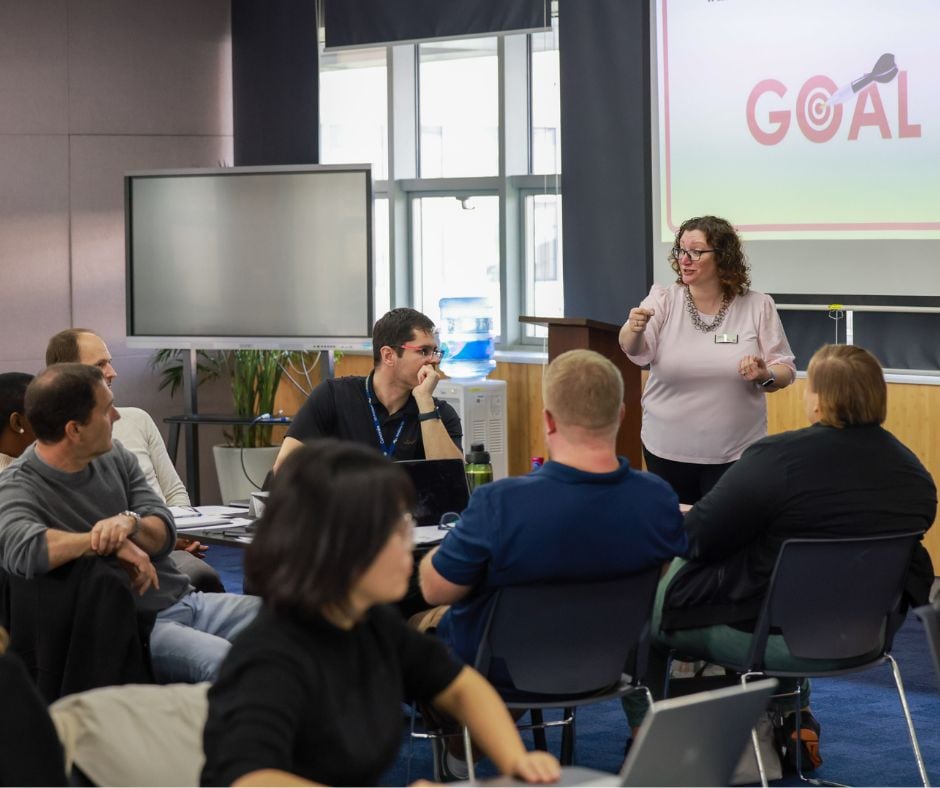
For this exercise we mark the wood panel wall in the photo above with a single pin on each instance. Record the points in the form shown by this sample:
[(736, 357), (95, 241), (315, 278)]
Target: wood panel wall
[(910, 411)]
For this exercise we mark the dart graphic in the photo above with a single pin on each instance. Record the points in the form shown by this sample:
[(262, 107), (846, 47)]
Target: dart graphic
[(883, 71)]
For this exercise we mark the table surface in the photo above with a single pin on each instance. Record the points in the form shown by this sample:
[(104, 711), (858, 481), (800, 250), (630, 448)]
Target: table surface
[(229, 531), (232, 534), (222, 418)]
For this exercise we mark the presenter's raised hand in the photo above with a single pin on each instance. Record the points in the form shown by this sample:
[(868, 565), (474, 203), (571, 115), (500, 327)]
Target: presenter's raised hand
[(753, 369), (638, 319)]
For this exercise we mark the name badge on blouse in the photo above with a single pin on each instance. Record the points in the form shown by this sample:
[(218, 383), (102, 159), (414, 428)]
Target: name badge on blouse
[(726, 339)]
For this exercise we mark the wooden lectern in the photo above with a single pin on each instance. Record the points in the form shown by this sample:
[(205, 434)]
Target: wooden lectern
[(572, 333)]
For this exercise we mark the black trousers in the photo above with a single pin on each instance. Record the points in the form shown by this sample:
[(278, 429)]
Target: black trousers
[(690, 480)]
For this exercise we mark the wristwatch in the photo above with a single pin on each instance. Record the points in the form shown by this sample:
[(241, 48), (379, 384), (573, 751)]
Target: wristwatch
[(769, 382), (136, 518), (429, 416)]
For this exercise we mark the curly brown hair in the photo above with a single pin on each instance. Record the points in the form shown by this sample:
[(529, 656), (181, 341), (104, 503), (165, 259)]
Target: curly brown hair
[(730, 261)]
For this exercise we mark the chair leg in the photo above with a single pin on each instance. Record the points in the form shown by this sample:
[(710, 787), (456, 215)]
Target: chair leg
[(468, 753), (567, 739), (798, 716), (411, 744), (649, 695), (670, 658), (437, 757), (538, 734), (895, 671), (755, 742)]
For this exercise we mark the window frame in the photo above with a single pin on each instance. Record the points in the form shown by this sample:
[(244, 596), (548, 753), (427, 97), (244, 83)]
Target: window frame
[(512, 183)]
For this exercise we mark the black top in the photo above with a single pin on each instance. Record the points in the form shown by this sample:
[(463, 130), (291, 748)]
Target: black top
[(339, 408), (318, 701), (30, 752), (816, 482)]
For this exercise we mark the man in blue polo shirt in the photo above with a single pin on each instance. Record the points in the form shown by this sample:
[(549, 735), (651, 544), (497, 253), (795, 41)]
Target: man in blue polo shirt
[(584, 514)]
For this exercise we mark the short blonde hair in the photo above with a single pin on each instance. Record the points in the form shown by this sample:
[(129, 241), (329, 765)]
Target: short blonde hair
[(581, 388), (850, 385)]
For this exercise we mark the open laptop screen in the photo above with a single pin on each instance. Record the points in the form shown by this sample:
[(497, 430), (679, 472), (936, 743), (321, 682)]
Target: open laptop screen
[(441, 487)]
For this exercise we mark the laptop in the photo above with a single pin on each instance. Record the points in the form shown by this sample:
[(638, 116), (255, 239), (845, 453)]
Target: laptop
[(441, 488), (693, 740)]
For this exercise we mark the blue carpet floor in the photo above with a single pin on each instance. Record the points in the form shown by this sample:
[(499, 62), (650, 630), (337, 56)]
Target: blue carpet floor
[(864, 740)]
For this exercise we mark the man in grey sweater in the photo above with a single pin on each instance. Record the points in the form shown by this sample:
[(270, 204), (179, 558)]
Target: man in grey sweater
[(75, 493), (138, 433)]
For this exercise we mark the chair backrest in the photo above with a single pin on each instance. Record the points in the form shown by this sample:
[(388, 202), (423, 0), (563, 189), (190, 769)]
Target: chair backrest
[(930, 615), (570, 638), (832, 598)]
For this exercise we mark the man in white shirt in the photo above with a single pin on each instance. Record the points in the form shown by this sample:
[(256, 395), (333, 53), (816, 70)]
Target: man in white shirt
[(138, 433)]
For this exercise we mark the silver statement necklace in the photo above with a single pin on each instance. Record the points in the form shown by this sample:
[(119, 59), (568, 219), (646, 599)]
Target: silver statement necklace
[(697, 321)]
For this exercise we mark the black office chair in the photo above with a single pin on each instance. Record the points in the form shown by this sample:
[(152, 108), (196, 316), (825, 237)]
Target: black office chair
[(832, 599), (930, 615), (564, 645)]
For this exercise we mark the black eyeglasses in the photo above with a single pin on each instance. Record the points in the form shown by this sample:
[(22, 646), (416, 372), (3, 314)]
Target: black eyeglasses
[(694, 254), (428, 351)]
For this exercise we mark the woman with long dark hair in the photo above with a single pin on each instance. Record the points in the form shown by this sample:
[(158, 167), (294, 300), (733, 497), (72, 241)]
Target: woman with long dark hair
[(312, 691)]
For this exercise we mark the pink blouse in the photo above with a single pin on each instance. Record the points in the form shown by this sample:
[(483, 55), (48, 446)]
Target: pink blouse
[(696, 407)]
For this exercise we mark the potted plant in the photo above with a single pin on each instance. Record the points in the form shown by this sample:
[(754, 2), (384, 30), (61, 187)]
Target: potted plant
[(245, 459), (243, 462)]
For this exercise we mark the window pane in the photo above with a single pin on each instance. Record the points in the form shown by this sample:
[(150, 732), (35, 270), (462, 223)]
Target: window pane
[(380, 258), (459, 108), (545, 295), (456, 250), (354, 109), (546, 103)]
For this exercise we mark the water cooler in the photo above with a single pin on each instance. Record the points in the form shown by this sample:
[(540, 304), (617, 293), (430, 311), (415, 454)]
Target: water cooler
[(481, 405)]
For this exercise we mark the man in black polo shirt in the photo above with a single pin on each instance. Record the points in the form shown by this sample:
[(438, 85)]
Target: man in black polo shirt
[(393, 408)]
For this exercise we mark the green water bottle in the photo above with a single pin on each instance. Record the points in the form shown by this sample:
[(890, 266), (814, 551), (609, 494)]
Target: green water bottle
[(479, 470)]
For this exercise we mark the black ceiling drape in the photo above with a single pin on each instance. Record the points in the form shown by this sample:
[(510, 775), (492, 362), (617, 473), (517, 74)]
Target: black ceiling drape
[(351, 23)]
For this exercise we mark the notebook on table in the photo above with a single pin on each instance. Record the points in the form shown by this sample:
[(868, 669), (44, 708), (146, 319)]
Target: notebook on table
[(693, 740)]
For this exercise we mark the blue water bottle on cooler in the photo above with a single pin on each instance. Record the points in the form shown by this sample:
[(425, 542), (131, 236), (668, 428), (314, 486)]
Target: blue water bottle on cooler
[(466, 336)]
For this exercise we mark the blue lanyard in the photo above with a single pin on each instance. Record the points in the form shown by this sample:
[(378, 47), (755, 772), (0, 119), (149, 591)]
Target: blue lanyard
[(388, 451)]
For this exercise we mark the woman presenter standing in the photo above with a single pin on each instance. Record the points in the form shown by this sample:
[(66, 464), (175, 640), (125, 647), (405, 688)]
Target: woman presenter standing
[(715, 348)]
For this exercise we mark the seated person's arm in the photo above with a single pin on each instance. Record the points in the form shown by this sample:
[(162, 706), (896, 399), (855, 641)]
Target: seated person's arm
[(28, 547), (38, 552), (109, 534), (155, 533), (441, 437), (64, 547), (438, 444), (171, 486), (435, 588), (472, 700), (287, 446), (315, 419), (271, 777), (450, 571)]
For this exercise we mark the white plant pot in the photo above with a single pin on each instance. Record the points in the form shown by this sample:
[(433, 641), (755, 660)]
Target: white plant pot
[(241, 471)]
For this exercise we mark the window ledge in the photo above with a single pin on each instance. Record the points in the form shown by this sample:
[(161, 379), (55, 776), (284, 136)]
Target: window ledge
[(519, 356)]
